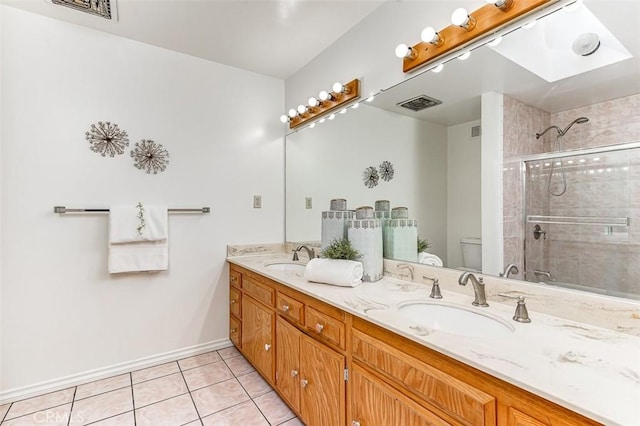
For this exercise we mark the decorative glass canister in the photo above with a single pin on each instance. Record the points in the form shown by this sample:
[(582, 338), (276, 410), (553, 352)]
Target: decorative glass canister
[(334, 222), (401, 240), (365, 235)]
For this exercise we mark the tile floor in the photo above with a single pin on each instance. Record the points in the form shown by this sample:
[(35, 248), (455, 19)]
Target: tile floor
[(216, 388)]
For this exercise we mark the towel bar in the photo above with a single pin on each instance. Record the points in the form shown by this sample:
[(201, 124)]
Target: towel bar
[(63, 210)]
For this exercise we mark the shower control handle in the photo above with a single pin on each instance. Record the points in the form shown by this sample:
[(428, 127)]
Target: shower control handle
[(538, 231)]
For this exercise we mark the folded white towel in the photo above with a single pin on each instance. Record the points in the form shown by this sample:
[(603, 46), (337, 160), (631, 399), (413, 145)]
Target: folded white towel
[(125, 225), (135, 250), (429, 259), (345, 273)]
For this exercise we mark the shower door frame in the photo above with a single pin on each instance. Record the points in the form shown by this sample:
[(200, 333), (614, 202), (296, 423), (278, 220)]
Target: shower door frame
[(551, 156)]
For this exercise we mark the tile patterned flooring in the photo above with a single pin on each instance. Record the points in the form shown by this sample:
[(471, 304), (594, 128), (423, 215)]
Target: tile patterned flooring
[(216, 388)]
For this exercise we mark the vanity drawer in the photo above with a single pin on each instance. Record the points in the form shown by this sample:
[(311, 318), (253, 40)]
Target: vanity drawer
[(259, 292), (458, 399), (235, 302), (290, 308), (235, 279), (235, 332), (323, 325)]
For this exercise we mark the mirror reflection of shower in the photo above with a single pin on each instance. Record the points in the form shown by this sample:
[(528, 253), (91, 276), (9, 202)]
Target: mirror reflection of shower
[(557, 147)]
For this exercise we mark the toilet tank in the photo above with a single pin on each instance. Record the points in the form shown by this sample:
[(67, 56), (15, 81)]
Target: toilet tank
[(471, 253)]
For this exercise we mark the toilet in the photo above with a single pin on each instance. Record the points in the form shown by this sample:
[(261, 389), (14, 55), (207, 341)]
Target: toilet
[(471, 254)]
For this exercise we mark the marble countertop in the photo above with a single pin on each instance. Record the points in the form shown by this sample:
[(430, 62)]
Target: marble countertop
[(588, 369)]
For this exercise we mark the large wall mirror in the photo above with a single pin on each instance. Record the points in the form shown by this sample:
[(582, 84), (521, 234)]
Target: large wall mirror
[(570, 195)]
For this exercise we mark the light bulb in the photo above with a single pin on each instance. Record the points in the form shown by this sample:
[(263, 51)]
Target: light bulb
[(461, 18), (292, 113), (496, 41), (321, 121), (343, 111), (405, 52), (324, 95), (313, 102), (312, 125), (371, 98), (338, 87), (429, 35), (464, 56), (302, 109), (530, 25), (331, 117), (439, 68), (356, 105), (284, 118)]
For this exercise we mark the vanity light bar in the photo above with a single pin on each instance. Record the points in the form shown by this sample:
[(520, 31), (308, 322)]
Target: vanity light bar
[(488, 18), (340, 97)]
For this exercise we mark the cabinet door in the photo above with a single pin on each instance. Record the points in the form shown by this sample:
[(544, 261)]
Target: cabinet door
[(288, 362), (257, 335), (375, 403), (371, 405), (518, 418), (322, 394)]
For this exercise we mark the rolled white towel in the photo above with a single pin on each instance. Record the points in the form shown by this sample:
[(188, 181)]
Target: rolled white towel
[(429, 259), (345, 273)]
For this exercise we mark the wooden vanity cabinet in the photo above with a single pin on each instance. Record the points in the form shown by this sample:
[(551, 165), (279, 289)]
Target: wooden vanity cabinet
[(304, 348)]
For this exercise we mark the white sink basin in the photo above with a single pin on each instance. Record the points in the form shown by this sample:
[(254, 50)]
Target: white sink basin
[(293, 267), (455, 320)]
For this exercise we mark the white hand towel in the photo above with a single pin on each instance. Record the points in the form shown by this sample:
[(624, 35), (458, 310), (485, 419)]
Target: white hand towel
[(345, 273), (134, 251), (125, 225), (429, 259)]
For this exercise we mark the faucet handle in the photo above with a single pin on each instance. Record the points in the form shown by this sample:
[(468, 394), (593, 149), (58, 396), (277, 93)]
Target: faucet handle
[(521, 315), (435, 290)]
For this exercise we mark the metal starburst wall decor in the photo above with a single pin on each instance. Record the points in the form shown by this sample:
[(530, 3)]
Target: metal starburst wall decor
[(150, 156), (370, 177), (107, 139), (386, 171)]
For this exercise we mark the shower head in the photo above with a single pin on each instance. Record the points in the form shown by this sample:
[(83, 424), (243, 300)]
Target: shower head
[(579, 120)]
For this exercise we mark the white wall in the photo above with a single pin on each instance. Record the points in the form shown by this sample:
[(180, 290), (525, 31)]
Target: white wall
[(61, 312), (327, 162), (463, 189)]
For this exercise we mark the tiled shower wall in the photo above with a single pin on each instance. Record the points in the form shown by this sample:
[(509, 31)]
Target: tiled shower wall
[(611, 122)]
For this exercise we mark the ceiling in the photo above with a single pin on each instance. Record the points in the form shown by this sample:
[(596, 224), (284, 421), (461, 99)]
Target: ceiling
[(461, 83), (269, 37)]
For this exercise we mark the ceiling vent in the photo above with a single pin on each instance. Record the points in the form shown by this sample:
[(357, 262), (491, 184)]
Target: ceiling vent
[(419, 103), (102, 8)]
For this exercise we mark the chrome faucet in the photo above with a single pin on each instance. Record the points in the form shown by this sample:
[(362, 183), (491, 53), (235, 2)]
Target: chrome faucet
[(478, 288), (310, 252), (509, 269), (539, 274)]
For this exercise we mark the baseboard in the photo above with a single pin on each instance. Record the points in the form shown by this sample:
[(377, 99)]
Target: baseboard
[(16, 394)]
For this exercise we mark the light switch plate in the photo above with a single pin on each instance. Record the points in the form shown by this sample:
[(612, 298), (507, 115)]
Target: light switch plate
[(308, 203), (257, 201)]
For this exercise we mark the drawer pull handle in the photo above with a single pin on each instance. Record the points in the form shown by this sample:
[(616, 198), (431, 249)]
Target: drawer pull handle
[(319, 327), (267, 347), (233, 301), (234, 280), (355, 423), (304, 383), (285, 308), (294, 373), (233, 330)]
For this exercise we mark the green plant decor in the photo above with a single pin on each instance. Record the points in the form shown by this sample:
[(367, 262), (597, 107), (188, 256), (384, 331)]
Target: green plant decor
[(423, 244), (340, 249)]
